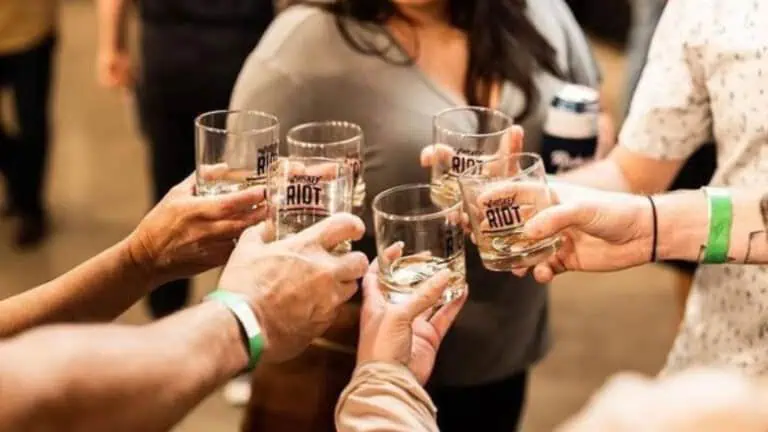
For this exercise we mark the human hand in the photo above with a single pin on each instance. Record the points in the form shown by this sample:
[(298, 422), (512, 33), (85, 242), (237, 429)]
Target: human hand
[(403, 333), (296, 285), (185, 234), (600, 231), (693, 401), (114, 69)]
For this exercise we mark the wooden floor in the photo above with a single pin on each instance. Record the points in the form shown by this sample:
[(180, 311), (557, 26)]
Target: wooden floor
[(98, 191)]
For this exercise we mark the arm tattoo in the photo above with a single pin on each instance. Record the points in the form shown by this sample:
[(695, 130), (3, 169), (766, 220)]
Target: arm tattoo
[(755, 234), (702, 249)]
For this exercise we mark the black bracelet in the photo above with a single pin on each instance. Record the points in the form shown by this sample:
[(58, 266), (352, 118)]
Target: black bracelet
[(655, 229)]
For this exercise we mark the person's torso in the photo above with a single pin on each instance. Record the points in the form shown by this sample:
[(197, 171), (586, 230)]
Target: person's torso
[(23, 23), (504, 321), (726, 321)]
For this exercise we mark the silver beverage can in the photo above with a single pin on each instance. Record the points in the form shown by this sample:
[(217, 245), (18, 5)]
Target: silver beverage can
[(570, 130)]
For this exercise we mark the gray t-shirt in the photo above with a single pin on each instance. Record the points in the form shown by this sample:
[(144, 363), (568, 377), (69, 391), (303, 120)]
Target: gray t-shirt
[(304, 70)]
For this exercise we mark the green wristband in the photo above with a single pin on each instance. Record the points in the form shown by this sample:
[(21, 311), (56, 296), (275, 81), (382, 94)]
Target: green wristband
[(240, 308), (720, 221)]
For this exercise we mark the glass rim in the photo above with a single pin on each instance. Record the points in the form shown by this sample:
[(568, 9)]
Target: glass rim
[(223, 131), (445, 130), (466, 174), (409, 218), (322, 159), (289, 136)]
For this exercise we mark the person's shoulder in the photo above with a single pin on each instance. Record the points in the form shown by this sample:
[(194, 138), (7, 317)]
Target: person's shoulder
[(298, 27)]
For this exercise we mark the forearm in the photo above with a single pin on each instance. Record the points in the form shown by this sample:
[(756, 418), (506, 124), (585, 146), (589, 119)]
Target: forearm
[(683, 229), (382, 396), (627, 171), (111, 24), (98, 290), (117, 378), (603, 174)]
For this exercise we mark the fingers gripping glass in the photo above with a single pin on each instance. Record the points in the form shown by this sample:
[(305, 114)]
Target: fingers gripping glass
[(304, 191), (500, 195), (233, 150), (417, 238), (462, 138), (336, 140)]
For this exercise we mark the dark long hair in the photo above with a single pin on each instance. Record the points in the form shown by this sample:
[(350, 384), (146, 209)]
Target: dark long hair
[(504, 45)]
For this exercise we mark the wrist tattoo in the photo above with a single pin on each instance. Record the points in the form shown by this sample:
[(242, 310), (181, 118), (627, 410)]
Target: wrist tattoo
[(759, 234), (702, 250)]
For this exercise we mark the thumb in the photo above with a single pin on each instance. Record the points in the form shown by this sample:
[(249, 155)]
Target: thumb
[(552, 220), (427, 295)]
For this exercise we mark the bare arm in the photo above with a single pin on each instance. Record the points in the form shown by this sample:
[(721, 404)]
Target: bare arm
[(97, 290), (117, 378), (112, 20), (684, 226), (670, 115), (626, 171), (182, 236)]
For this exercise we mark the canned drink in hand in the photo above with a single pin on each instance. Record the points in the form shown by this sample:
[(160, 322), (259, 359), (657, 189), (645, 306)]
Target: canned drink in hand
[(570, 130)]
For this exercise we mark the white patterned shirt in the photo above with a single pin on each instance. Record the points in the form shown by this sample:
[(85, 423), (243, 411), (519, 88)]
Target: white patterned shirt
[(707, 78)]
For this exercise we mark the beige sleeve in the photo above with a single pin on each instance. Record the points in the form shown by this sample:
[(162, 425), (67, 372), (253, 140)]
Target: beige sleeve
[(385, 397), (670, 117)]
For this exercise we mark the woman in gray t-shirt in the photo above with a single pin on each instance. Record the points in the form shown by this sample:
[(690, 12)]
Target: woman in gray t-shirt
[(389, 66)]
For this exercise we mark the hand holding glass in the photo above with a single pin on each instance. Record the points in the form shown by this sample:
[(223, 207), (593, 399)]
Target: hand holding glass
[(335, 140), (304, 191), (500, 195), (233, 150), (462, 138), (416, 239)]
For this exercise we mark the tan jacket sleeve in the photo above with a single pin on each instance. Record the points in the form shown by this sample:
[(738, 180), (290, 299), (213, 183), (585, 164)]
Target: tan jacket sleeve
[(385, 397)]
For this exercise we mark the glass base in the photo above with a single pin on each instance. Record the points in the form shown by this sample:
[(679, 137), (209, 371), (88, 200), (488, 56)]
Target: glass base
[(449, 295), (522, 259)]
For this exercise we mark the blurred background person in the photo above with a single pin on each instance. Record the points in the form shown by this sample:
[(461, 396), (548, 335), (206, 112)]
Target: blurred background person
[(28, 33), (190, 54), (389, 66)]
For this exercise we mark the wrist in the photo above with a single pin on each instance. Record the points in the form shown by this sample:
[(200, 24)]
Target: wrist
[(138, 262), (251, 334), (213, 340), (233, 347), (683, 225)]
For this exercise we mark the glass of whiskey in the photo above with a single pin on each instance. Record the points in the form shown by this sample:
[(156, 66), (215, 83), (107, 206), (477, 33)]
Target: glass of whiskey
[(305, 190), (500, 195), (233, 150), (336, 140), (462, 138), (417, 238)]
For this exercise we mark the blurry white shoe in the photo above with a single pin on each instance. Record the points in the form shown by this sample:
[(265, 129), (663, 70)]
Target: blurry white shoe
[(237, 392)]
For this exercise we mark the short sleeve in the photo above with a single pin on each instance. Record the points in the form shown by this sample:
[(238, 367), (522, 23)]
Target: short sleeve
[(263, 86), (670, 117)]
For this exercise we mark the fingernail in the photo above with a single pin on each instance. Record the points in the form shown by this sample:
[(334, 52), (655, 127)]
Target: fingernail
[(399, 244)]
